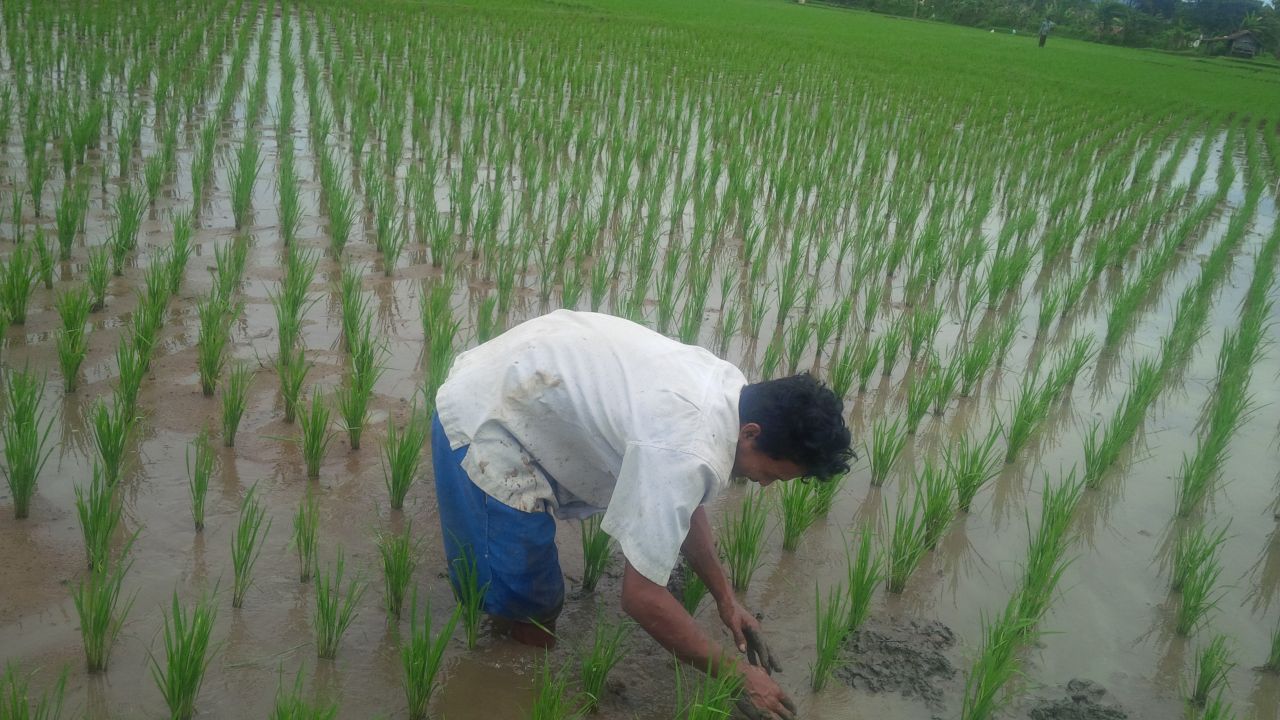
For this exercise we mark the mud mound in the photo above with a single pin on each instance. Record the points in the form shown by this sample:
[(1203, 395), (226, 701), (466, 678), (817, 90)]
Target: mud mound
[(903, 658), (1077, 700)]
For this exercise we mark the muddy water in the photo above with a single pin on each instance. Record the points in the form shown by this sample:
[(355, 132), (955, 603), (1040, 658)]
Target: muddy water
[(1111, 624)]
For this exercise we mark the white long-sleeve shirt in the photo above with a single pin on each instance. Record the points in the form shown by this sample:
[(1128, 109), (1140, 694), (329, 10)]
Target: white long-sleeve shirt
[(581, 412)]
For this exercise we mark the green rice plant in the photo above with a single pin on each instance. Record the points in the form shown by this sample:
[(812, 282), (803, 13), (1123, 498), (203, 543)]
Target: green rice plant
[(799, 504), (1200, 596), (1193, 549), (945, 379), (342, 216), (1050, 303), (742, 538), (292, 368), (922, 326), (125, 224), (187, 655), (707, 696), (131, 364), (1213, 662), (16, 697), (692, 592), (44, 259), (399, 553), (939, 504), (305, 539), (97, 601), (292, 705), (552, 699), (402, 454), (1029, 411), (596, 662), (243, 176), (202, 463), (468, 592), (17, 281), (69, 217), (1047, 550), (971, 463), (180, 249), (870, 359), (871, 305), (919, 394), (830, 622), (864, 571), (97, 275), (230, 260), (890, 346), (1273, 656), (354, 395), (771, 360), (887, 443), (975, 361), (1218, 708), (335, 608), (211, 346), (246, 544), (906, 541), (825, 492), (72, 348), (841, 371), (596, 548), (422, 657), (235, 395), (73, 306), (1069, 363), (99, 516), (26, 436), (313, 423), (1006, 334), (997, 664)]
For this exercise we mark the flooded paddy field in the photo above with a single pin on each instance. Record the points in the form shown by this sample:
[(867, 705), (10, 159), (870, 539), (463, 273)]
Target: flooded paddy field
[(977, 244)]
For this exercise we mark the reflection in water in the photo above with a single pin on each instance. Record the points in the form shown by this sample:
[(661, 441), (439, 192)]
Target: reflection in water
[(1265, 573)]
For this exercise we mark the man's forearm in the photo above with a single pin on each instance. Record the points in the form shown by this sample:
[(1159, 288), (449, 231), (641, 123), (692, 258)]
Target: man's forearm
[(665, 619), (699, 550)]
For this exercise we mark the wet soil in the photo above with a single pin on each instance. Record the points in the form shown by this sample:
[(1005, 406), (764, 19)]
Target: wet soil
[(909, 658), (1078, 700)]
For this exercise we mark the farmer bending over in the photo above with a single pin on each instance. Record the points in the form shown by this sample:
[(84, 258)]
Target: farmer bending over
[(578, 413)]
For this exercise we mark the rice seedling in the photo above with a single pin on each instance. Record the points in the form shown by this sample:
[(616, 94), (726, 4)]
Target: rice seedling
[(44, 259), (97, 601), (187, 655), (1213, 662), (1200, 596), (1005, 335), (292, 368), (742, 538), (825, 492), (830, 622), (1273, 656), (944, 380), (335, 608), (99, 516), (869, 361), (1029, 411), (1048, 546), (1218, 708), (938, 504), (922, 326), (17, 281), (230, 259), (305, 539), (864, 571), (246, 544), (313, 423), (354, 395), (707, 696), (890, 346), (291, 705), (906, 542), (596, 549), (595, 663), (692, 591), (422, 657), (131, 365), (211, 347), (97, 275), (552, 699), (26, 437), (997, 664), (180, 249), (125, 224), (69, 217), (971, 463), (1192, 550), (402, 455), (72, 347), (975, 361), (399, 553), (469, 593), (202, 462), (798, 501), (1069, 363), (887, 443), (235, 395), (919, 394), (16, 697), (243, 176), (342, 216)]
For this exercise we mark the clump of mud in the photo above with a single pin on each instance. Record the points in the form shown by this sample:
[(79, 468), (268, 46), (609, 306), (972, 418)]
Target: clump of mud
[(904, 658), (1078, 700)]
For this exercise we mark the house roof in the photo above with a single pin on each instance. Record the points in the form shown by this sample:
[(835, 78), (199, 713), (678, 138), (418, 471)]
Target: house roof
[(1235, 36)]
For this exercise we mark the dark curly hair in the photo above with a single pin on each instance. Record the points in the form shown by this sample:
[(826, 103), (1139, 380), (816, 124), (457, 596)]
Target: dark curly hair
[(801, 420)]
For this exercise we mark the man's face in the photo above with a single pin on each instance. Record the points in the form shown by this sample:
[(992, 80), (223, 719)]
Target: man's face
[(753, 464)]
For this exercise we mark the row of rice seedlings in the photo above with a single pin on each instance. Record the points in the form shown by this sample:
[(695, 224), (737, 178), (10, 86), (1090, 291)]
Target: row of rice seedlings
[(469, 593), (246, 544), (314, 431), (187, 655), (235, 395), (402, 454), (335, 607), (19, 702), (887, 443), (1046, 553), (1213, 662), (202, 463), (399, 553), (26, 437), (742, 538), (422, 656), (1101, 452), (305, 538), (597, 546), (596, 662), (98, 605)]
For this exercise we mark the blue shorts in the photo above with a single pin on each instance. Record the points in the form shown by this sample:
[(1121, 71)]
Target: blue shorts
[(515, 552)]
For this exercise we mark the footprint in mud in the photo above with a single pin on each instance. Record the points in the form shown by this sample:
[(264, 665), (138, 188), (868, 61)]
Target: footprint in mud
[(904, 658), (1077, 700)]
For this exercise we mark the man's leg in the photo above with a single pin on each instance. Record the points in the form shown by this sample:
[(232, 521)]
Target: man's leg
[(515, 552)]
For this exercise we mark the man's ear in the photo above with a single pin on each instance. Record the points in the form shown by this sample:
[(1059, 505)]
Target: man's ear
[(749, 431)]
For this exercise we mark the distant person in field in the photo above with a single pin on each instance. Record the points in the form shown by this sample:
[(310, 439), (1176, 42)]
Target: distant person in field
[(572, 414), (1045, 26)]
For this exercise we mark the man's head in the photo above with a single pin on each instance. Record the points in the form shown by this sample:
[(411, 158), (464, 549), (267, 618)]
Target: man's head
[(791, 427)]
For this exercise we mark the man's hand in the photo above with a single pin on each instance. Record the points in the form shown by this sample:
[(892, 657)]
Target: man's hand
[(762, 699), (747, 636)]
